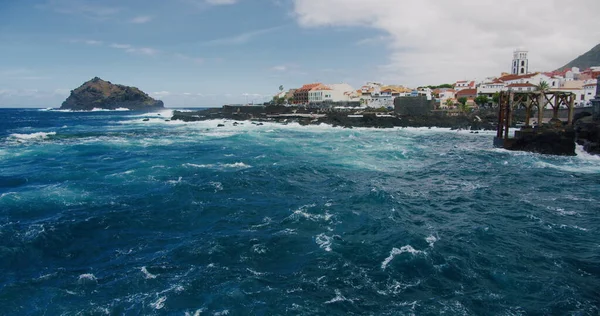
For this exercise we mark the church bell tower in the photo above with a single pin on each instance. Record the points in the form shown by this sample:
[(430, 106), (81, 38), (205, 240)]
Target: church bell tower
[(520, 65)]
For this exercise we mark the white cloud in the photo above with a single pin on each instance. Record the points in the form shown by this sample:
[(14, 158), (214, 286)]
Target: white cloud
[(90, 42), (241, 38), (89, 9), (221, 2), (280, 68), (141, 19), (435, 41), (161, 93), (136, 50), (120, 46)]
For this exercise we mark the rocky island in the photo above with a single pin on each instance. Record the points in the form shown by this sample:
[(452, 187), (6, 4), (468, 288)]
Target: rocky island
[(100, 94)]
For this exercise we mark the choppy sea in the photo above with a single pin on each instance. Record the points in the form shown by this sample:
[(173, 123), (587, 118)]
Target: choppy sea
[(102, 213)]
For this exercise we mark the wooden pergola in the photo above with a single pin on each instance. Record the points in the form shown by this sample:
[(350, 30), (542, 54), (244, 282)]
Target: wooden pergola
[(510, 100)]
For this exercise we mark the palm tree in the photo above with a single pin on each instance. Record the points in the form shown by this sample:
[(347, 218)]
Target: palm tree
[(449, 103), (281, 88), (543, 86)]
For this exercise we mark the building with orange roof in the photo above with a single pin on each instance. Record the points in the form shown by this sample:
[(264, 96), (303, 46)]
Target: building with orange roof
[(301, 95)]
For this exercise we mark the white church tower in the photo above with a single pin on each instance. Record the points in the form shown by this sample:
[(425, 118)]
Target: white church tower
[(520, 65)]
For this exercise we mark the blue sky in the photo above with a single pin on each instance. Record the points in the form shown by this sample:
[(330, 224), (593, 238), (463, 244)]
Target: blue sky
[(210, 52), (186, 52)]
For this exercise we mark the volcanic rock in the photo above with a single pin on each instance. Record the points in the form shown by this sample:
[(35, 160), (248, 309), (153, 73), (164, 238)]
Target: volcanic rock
[(100, 94)]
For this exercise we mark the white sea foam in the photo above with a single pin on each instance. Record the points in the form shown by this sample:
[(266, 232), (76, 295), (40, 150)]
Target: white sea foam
[(87, 278), (107, 110), (222, 313), (396, 251), (339, 298), (217, 185), (159, 303), (259, 249), (237, 165), (431, 240), (147, 275), (198, 312), (31, 137), (324, 242)]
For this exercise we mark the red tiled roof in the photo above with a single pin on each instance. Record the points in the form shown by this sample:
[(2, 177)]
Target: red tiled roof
[(466, 92), (308, 87), (520, 85), (516, 77)]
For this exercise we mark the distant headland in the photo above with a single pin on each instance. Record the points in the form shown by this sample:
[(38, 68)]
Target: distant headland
[(100, 94)]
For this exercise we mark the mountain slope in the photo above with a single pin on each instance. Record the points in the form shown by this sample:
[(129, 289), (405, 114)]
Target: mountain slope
[(587, 60)]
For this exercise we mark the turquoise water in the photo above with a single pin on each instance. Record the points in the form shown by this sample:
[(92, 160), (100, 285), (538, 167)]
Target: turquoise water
[(102, 213)]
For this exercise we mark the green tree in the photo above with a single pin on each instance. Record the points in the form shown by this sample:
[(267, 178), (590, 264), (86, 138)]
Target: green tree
[(482, 100), (463, 104), (496, 98), (281, 88)]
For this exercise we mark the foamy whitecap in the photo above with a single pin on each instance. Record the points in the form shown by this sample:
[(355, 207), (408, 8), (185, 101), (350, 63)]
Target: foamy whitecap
[(159, 303), (237, 165), (222, 313), (107, 110), (87, 278), (396, 251), (339, 298), (31, 137), (147, 275), (324, 242), (431, 240)]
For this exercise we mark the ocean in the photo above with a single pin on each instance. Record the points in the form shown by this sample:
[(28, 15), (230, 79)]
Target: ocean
[(102, 213)]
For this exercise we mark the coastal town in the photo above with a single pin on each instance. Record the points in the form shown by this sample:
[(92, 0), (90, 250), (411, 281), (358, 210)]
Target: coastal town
[(462, 94)]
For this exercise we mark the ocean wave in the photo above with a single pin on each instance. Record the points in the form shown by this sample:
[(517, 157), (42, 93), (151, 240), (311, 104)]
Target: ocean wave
[(324, 242), (31, 137), (339, 298), (395, 252), (87, 278), (147, 275), (84, 111), (431, 240), (159, 303), (237, 165)]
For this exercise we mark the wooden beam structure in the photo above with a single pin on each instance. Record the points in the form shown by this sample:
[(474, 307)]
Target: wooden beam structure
[(539, 100)]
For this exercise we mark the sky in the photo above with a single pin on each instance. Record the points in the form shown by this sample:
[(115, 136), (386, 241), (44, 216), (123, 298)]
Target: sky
[(192, 53)]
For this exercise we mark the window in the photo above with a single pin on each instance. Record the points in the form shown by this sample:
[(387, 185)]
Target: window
[(582, 97), (522, 70), (522, 63)]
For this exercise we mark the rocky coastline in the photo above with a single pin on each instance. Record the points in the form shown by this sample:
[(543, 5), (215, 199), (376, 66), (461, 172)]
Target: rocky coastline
[(285, 115)]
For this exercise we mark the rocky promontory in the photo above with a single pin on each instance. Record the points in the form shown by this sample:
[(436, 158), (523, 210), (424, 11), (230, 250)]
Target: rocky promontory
[(100, 94)]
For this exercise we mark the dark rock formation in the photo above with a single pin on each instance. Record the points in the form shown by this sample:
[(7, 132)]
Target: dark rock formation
[(101, 94), (548, 141), (588, 134), (337, 118)]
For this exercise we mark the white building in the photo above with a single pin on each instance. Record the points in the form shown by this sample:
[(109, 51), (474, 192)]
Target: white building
[(445, 95), (319, 94), (330, 93), (490, 88), (340, 92), (463, 85), (589, 90)]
